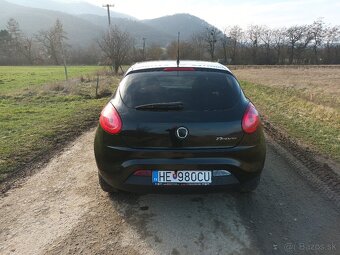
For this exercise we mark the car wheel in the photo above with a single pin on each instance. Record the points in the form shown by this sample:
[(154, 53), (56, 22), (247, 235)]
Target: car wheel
[(105, 186), (250, 185)]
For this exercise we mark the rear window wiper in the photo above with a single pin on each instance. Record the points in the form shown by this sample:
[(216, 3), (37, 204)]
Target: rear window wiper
[(172, 106)]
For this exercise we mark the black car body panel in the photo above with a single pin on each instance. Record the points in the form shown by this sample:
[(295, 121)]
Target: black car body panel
[(148, 140)]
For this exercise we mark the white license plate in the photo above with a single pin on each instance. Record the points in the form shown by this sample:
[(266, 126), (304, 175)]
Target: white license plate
[(183, 176)]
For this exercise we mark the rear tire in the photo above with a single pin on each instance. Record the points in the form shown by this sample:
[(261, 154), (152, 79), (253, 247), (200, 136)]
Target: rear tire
[(105, 186), (249, 185)]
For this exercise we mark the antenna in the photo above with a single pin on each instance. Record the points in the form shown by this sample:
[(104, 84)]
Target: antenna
[(178, 49)]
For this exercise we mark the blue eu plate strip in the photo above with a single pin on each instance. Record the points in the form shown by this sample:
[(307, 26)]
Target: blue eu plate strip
[(154, 176)]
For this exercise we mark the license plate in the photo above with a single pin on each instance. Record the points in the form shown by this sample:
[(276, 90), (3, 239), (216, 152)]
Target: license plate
[(181, 177)]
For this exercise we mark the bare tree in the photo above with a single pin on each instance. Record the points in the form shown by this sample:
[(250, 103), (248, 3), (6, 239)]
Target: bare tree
[(279, 42), (235, 34), (303, 43), (27, 49), (298, 39), (211, 36), (294, 35), (266, 37), (332, 37), (317, 30), (254, 33), (197, 41), (116, 45), (53, 42)]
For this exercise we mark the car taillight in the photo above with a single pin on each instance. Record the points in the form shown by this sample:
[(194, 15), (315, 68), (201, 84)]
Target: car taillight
[(251, 119), (110, 120)]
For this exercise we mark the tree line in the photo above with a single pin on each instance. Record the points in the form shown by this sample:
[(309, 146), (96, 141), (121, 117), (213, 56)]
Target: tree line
[(260, 45), (316, 43), (46, 47)]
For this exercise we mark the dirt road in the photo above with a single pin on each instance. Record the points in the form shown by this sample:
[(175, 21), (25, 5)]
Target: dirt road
[(61, 210)]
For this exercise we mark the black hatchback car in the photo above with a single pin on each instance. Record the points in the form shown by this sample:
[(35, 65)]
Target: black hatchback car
[(180, 127)]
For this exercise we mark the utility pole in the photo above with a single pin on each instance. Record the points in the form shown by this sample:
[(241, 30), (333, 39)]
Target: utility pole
[(144, 39), (109, 19), (108, 12)]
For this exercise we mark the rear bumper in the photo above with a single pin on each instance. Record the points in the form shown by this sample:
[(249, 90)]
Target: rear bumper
[(139, 184), (116, 165)]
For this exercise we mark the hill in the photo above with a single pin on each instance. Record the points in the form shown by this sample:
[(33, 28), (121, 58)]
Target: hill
[(32, 20), (184, 23), (85, 28), (136, 28)]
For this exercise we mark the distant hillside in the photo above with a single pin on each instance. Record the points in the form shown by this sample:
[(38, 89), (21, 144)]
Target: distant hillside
[(185, 23), (136, 28), (160, 30), (84, 29), (32, 20), (70, 8)]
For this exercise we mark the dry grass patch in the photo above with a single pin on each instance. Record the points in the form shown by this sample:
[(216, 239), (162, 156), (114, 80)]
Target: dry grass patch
[(302, 101), (81, 86), (315, 84)]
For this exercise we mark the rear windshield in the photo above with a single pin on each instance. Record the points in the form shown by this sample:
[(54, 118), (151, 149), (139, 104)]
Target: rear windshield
[(197, 90)]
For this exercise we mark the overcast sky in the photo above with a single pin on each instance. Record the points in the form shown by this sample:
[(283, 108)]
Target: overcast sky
[(221, 13)]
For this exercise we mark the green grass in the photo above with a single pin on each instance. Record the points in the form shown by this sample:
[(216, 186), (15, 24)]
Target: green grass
[(16, 79), (310, 123), (34, 120)]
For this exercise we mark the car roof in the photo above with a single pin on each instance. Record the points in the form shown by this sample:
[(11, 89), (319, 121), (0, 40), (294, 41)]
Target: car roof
[(183, 63)]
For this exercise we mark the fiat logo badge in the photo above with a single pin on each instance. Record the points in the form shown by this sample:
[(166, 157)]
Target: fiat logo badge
[(182, 132)]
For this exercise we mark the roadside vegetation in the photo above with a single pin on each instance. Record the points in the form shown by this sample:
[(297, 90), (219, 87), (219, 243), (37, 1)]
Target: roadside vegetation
[(304, 103), (39, 110)]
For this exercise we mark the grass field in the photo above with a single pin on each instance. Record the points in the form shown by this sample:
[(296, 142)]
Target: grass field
[(39, 110), (20, 79), (303, 102)]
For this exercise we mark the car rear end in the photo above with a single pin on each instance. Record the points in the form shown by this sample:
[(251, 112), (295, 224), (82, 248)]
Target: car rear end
[(179, 128)]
